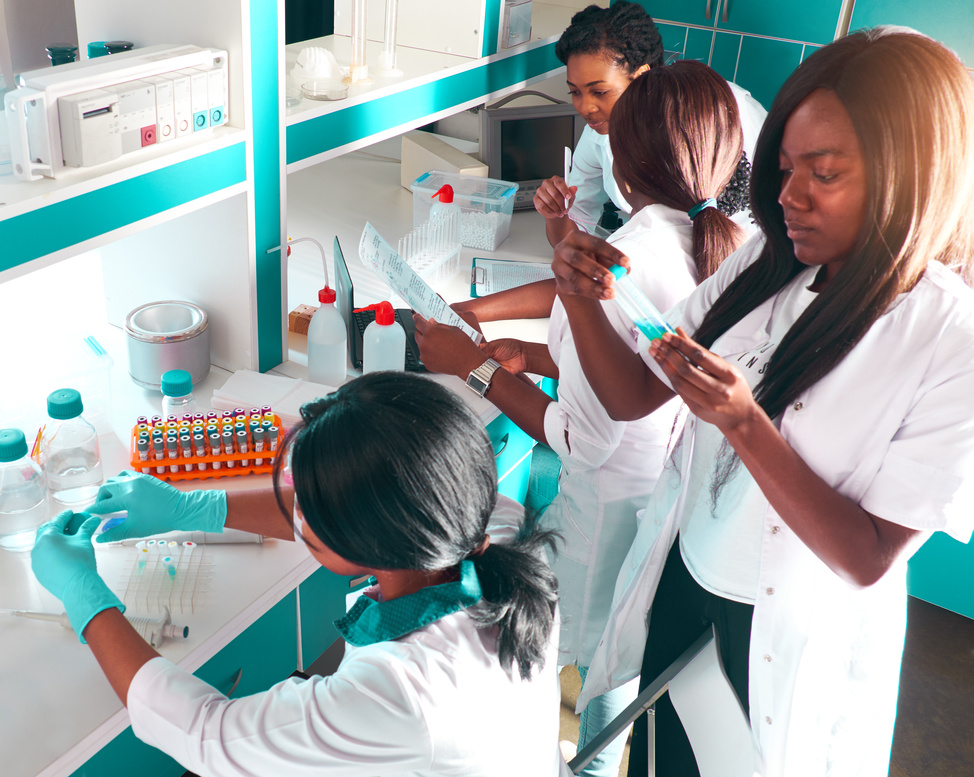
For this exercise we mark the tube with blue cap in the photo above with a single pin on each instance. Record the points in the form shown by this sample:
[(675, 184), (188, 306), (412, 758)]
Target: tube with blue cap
[(637, 306)]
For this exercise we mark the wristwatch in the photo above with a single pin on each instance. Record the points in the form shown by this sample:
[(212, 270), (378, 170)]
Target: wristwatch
[(479, 380)]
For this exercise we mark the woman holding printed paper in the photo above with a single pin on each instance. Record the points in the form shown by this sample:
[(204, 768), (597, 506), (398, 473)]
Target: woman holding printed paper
[(666, 168)]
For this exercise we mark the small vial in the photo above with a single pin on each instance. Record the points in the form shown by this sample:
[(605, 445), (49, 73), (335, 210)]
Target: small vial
[(172, 452), (637, 306), (142, 445), (258, 445), (228, 447), (199, 443), (214, 439), (177, 394)]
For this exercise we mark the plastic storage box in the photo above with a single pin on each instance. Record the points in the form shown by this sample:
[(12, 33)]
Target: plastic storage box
[(486, 206)]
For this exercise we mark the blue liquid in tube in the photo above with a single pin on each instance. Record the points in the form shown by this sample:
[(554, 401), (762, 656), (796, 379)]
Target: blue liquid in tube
[(637, 306)]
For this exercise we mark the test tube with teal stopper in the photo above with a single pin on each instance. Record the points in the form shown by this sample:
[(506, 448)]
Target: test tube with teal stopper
[(637, 306)]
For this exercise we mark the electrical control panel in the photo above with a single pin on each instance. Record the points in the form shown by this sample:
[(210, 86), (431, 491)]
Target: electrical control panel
[(83, 114)]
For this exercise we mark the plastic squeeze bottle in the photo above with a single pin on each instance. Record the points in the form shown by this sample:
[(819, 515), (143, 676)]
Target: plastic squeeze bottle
[(72, 458), (23, 494), (444, 205), (383, 342), (327, 342)]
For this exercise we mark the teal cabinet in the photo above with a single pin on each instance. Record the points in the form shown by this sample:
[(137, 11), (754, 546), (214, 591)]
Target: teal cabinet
[(512, 451), (949, 21), (764, 64), (322, 601), (814, 22), (265, 653), (942, 573)]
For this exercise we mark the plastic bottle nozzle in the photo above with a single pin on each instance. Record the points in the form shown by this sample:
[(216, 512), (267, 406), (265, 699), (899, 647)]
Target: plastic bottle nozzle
[(326, 295), (445, 193), (385, 315)]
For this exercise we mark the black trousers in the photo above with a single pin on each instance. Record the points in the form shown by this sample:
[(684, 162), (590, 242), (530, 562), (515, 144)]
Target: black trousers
[(681, 611)]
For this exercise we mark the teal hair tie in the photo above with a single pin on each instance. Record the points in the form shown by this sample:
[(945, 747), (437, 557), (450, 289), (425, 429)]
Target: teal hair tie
[(695, 210)]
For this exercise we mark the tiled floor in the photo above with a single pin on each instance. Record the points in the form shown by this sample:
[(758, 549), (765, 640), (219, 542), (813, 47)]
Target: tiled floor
[(934, 734)]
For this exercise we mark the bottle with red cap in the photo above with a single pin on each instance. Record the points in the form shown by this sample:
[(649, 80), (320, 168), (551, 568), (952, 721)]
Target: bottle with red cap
[(383, 342), (443, 206), (327, 342)]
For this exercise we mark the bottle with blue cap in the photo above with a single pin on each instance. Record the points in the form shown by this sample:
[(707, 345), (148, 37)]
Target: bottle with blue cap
[(637, 305), (23, 493), (70, 452), (177, 393)]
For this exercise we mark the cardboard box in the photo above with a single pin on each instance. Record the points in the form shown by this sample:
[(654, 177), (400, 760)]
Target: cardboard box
[(422, 151)]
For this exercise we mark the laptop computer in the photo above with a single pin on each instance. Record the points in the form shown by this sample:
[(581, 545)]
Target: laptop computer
[(355, 322)]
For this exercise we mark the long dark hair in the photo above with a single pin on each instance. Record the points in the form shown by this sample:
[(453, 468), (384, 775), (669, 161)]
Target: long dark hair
[(624, 32), (686, 153), (393, 471), (912, 105)]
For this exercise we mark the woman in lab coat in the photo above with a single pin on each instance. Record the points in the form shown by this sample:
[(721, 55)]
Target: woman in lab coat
[(670, 170), (603, 50), (447, 670), (829, 379)]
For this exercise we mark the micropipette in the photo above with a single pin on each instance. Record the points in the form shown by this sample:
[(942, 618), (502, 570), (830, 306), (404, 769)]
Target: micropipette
[(152, 630)]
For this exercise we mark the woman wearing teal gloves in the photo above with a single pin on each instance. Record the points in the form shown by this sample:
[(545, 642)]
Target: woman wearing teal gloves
[(392, 477)]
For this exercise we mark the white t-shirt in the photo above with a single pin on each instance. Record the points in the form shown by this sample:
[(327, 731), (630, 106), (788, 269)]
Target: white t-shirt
[(720, 537)]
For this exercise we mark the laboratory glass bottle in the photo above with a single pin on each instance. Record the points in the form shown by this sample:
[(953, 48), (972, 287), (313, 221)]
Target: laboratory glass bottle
[(383, 342), (71, 456), (23, 494), (637, 305), (177, 394), (327, 342)]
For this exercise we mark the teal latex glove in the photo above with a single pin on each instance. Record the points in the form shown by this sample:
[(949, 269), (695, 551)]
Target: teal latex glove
[(155, 507), (63, 560)]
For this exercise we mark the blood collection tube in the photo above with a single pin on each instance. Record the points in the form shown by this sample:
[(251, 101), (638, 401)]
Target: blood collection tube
[(214, 439), (258, 434), (186, 447), (142, 445), (272, 438), (199, 442), (228, 446), (159, 453), (242, 446), (172, 452)]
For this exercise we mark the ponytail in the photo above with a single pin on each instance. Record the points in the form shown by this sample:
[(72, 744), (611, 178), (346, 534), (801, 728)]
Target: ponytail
[(714, 238), (519, 596)]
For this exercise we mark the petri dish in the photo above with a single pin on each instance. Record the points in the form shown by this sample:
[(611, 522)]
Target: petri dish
[(324, 89)]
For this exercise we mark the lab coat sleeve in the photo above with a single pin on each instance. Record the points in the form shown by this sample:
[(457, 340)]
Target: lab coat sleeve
[(926, 481), (586, 174), (364, 720)]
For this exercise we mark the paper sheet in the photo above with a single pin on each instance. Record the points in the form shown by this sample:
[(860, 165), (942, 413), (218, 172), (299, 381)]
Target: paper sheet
[(380, 257), (492, 275)]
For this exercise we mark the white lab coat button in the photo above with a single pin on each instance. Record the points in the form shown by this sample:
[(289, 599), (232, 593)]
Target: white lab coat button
[(798, 406), (767, 658), (767, 719), (769, 591), (775, 529)]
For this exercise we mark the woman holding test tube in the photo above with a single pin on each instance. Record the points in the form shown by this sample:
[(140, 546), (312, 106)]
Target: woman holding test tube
[(667, 168), (827, 367), (449, 668)]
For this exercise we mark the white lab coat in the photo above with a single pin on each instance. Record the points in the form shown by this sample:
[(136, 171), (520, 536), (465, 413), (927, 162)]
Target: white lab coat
[(609, 467), (890, 428), (592, 167), (434, 702)]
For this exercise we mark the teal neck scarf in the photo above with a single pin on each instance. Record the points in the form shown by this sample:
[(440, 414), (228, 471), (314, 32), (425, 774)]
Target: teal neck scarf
[(369, 621)]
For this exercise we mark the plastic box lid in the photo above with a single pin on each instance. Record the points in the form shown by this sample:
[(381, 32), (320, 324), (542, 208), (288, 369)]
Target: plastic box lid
[(468, 191)]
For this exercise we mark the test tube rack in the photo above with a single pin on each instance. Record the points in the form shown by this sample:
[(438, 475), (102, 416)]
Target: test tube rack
[(166, 575), (207, 445)]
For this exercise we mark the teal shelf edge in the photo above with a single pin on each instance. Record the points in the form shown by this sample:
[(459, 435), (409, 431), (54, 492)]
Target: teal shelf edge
[(268, 231), (63, 224), (333, 130)]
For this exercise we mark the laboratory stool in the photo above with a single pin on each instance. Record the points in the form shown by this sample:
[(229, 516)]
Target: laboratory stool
[(711, 713)]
